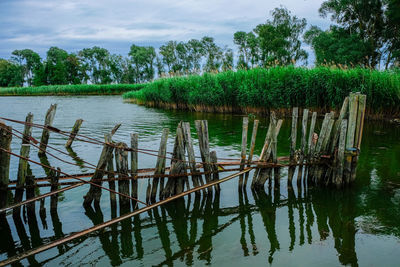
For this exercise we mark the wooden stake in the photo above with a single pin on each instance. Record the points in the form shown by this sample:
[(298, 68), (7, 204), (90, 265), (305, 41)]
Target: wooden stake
[(202, 133), (25, 149), (292, 156), (160, 165), (94, 192), (196, 179), (134, 164), (341, 150), (252, 146), (51, 112), (74, 132), (358, 135), (303, 145), (244, 147), (337, 128), (351, 130), (121, 163), (214, 166), (310, 137), (5, 143)]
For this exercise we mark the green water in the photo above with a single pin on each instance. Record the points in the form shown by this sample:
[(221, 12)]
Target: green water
[(358, 226)]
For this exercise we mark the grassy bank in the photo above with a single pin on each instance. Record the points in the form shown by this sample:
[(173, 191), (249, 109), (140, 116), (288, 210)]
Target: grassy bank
[(278, 88), (79, 89)]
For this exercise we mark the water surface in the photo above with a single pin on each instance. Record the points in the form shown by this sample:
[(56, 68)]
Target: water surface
[(290, 227)]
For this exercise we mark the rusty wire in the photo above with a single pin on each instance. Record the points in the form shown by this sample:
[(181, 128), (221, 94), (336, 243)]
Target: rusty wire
[(66, 174)]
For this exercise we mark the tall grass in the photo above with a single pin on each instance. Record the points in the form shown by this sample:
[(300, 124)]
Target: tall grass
[(276, 88), (79, 89)]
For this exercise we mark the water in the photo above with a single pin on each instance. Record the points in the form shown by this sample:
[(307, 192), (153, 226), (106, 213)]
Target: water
[(356, 226)]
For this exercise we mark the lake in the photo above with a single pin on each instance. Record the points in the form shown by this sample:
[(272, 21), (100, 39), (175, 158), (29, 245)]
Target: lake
[(358, 225)]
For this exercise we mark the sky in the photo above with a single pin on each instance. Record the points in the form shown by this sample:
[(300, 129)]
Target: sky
[(116, 25)]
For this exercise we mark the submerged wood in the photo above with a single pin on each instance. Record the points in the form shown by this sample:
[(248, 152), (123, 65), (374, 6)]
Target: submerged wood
[(51, 112), (74, 132)]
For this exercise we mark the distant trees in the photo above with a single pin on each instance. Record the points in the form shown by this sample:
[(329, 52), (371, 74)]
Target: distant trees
[(366, 34)]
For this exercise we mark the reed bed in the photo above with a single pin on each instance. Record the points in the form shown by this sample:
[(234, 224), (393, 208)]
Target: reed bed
[(278, 88), (79, 89)]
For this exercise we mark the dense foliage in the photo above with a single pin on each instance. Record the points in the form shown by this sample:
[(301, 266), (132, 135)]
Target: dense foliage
[(78, 89), (277, 87)]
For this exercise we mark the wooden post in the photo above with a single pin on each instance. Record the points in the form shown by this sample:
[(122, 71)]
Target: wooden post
[(340, 156), (134, 164), (51, 112), (202, 133), (196, 179), (94, 192), (5, 143), (25, 149), (160, 165), (351, 130), (292, 156), (214, 167), (303, 145), (358, 135), (121, 163), (310, 137), (74, 132), (252, 146), (338, 123), (244, 147), (115, 129)]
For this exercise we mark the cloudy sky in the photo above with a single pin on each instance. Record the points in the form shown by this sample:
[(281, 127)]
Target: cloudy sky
[(115, 25)]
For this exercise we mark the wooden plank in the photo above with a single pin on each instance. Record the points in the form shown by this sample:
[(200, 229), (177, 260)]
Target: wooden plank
[(359, 131), (214, 167), (51, 112), (293, 137), (74, 132), (245, 129), (5, 143), (160, 165), (202, 133), (311, 137)]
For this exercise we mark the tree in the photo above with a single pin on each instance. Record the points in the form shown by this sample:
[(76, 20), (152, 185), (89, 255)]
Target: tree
[(195, 53), (29, 61), (338, 46), (212, 53), (392, 33), (168, 55), (227, 60), (279, 38), (11, 74), (56, 68), (142, 59), (96, 64), (362, 17)]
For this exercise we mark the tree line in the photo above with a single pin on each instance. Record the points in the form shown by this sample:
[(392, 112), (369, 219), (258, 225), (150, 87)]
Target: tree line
[(365, 33)]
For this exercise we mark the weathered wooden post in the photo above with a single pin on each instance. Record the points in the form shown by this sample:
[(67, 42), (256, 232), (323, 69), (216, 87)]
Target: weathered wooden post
[(196, 179), (351, 131), (303, 146), (94, 192), (23, 164), (74, 132), (202, 133), (293, 137), (51, 112), (251, 152), (362, 99), (340, 154), (214, 167), (5, 144), (160, 165), (244, 147), (134, 164), (121, 163)]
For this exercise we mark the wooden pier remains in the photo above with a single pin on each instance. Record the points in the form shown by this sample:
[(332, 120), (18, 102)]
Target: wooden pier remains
[(327, 157)]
